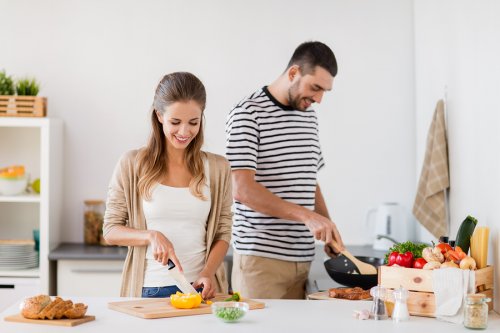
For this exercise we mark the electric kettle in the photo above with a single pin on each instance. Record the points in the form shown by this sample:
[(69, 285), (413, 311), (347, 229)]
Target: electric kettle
[(391, 225)]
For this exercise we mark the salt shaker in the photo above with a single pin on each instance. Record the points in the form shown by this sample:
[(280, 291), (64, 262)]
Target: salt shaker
[(400, 312), (378, 311)]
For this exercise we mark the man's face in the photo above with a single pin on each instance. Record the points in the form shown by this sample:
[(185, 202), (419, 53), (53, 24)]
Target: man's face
[(308, 89)]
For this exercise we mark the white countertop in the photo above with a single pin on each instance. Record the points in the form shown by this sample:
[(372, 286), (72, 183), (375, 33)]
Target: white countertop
[(278, 316)]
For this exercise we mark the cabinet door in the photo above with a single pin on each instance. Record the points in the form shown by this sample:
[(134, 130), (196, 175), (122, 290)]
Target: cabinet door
[(89, 277), (15, 289)]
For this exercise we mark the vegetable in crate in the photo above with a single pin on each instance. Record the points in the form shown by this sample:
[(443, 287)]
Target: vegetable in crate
[(415, 249), (465, 233)]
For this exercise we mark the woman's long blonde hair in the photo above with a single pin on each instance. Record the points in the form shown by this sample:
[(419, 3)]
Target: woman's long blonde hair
[(152, 161)]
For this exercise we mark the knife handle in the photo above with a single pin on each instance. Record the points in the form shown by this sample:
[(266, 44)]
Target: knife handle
[(170, 264)]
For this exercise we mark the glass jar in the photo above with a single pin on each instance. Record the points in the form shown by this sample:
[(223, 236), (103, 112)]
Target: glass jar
[(476, 311), (93, 220)]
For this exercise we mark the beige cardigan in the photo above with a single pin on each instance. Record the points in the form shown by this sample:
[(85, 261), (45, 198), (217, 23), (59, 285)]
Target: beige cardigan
[(124, 207)]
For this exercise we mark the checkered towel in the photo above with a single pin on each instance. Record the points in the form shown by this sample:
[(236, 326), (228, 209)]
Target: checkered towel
[(430, 205)]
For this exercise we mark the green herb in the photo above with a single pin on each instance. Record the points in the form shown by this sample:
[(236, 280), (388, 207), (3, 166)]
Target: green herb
[(6, 84), (415, 249), (27, 87), (229, 314)]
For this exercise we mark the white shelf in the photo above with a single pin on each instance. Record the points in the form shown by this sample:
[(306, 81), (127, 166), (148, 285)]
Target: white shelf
[(20, 198), (32, 272), (23, 122)]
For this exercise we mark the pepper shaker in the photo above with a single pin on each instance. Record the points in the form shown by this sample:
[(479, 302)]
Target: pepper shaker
[(378, 311)]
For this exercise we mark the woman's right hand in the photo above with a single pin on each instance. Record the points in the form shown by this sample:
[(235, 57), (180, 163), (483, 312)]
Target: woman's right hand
[(162, 249)]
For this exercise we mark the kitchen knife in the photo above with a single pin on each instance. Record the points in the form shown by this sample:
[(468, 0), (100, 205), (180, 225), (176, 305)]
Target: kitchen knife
[(180, 279)]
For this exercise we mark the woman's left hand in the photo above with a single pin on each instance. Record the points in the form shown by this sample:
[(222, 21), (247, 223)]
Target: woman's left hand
[(207, 282)]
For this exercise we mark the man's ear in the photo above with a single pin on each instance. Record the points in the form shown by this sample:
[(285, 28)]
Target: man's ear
[(293, 71)]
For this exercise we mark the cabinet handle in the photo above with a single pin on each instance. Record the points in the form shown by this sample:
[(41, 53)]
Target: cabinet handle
[(108, 270), (7, 286)]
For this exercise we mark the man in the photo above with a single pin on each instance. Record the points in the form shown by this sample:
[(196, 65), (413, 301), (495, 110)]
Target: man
[(273, 147)]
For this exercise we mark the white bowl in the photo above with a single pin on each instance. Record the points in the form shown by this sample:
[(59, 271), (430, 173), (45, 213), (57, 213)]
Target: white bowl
[(13, 186)]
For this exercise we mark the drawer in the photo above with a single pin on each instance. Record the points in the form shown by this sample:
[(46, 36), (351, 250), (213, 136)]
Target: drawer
[(13, 290), (89, 278)]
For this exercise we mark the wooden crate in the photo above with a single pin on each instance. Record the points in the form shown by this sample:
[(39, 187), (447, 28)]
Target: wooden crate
[(421, 301), (23, 106)]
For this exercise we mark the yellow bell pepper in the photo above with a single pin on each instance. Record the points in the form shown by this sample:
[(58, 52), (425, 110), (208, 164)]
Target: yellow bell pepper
[(185, 301)]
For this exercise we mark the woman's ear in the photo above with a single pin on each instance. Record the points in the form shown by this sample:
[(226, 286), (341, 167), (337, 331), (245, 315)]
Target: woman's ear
[(159, 116)]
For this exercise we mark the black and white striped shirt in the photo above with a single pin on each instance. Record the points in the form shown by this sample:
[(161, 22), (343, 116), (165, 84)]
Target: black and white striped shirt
[(282, 146)]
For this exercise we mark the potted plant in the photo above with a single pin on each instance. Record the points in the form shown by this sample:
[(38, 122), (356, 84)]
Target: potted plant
[(27, 87)]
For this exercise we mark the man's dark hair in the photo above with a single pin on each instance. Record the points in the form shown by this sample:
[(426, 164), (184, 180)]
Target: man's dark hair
[(308, 55)]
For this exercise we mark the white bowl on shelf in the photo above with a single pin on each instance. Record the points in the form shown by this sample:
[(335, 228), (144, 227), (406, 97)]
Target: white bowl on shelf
[(13, 185)]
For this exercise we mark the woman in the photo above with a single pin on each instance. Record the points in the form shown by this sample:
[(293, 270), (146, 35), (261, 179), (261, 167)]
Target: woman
[(171, 200)]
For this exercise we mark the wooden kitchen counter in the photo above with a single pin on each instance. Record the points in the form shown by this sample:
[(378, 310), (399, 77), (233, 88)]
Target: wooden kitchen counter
[(278, 316)]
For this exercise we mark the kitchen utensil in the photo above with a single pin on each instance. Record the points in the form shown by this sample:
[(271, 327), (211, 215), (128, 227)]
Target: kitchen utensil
[(342, 271), (150, 308), (400, 312), (391, 223), (361, 267), (378, 310), (55, 322), (181, 281)]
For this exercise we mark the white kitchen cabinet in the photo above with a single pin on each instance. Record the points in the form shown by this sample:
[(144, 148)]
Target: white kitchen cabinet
[(89, 277), (14, 289), (37, 144)]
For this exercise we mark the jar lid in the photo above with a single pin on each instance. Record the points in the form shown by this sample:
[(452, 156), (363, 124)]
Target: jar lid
[(477, 298), (93, 202)]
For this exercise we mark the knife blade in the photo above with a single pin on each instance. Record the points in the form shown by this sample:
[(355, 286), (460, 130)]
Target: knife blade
[(181, 281)]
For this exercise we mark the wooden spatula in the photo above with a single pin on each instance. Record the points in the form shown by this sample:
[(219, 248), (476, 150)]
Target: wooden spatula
[(363, 267)]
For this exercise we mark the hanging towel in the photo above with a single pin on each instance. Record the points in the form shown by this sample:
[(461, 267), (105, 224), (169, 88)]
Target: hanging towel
[(430, 205)]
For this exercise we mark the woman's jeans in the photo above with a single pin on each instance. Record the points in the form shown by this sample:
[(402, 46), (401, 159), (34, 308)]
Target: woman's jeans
[(157, 292)]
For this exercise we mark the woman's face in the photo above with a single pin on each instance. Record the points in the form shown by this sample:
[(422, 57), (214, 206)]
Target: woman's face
[(181, 123)]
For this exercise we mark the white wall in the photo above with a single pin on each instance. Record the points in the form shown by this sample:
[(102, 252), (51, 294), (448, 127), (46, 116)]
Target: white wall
[(99, 62), (457, 46)]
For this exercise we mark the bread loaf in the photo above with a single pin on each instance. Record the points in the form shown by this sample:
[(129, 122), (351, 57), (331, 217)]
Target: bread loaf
[(43, 307)]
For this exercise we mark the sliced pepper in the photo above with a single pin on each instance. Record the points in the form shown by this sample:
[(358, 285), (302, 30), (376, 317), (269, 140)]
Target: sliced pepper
[(185, 301)]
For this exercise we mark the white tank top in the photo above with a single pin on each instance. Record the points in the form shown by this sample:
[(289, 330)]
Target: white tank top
[(182, 218)]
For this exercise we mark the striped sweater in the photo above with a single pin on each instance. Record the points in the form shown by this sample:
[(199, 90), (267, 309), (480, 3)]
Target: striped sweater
[(282, 146)]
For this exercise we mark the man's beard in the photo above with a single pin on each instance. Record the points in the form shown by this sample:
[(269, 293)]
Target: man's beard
[(294, 98)]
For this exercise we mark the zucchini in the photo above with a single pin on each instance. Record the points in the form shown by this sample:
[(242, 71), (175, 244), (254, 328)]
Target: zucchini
[(465, 233)]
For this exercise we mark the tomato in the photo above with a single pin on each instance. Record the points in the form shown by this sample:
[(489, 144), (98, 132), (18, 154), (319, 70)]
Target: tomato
[(419, 263), (392, 258), (444, 247)]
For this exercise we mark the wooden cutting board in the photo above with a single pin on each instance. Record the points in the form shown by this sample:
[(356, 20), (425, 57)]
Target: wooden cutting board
[(56, 322), (150, 308)]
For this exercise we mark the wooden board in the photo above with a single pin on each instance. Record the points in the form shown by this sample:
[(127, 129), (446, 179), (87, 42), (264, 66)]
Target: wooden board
[(323, 295), (56, 322), (421, 279), (150, 308)]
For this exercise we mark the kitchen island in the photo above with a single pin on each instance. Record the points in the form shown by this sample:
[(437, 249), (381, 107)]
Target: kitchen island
[(278, 316)]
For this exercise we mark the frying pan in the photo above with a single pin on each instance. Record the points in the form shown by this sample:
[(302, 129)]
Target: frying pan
[(343, 271)]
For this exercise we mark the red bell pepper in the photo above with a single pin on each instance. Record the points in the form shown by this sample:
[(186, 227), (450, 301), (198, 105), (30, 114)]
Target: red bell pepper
[(392, 258), (405, 259)]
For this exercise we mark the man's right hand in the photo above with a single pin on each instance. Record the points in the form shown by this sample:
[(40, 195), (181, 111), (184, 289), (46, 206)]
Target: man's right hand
[(324, 230), (163, 249)]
